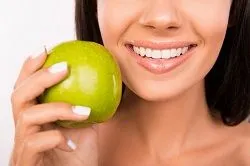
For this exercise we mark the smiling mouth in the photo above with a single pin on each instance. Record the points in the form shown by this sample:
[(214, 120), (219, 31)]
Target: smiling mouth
[(162, 53), (160, 58)]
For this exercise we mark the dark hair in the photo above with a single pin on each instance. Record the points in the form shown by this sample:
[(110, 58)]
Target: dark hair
[(228, 82)]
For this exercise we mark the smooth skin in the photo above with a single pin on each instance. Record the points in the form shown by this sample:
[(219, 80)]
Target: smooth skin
[(162, 119), (37, 140)]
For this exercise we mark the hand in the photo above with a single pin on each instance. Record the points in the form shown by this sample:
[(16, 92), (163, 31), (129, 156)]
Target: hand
[(37, 140)]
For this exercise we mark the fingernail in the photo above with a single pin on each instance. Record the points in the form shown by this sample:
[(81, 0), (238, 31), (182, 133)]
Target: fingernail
[(71, 144), (38, 52), (80, 110), (59, 67), (48, 50)]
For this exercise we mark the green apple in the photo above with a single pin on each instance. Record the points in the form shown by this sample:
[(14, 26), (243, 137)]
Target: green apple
[(94, 80)]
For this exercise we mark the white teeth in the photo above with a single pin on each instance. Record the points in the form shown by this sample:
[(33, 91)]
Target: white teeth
[(184, 50), (178, 51), (136, 50), (148, 52), (166, 54), (173, 53), (157, 54), (142, 51)]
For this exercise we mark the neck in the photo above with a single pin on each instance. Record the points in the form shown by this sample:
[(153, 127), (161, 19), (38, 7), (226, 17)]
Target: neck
[(175, 123)]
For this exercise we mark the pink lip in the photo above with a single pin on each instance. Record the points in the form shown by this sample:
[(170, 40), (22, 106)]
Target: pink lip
[(161, 45), (162, 66)]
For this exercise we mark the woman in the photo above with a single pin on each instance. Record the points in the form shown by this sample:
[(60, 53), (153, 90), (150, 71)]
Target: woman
[(186, 73)]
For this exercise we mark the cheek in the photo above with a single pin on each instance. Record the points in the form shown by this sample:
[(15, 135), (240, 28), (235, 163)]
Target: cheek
[(210, 26), (112, 27), (213, 32), (115, 19), (210, 22)]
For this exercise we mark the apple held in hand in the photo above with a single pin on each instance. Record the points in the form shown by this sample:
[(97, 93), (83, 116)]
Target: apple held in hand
[(94, 80)]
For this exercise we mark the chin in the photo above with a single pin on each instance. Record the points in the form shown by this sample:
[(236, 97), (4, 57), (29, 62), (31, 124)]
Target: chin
[(157, 93)]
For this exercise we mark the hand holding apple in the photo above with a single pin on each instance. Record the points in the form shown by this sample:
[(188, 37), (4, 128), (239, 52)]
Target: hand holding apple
[(94, 80)]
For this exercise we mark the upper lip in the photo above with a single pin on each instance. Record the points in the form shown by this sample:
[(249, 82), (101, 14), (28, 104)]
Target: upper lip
[(161, 45)]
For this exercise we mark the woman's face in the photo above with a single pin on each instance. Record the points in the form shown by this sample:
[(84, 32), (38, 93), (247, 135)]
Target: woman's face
[(163, 47)]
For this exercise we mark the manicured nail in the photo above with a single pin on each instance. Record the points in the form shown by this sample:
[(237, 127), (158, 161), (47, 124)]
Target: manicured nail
[(80, 110), (59, 67), (39, 52), (71, 144), (48, 50)]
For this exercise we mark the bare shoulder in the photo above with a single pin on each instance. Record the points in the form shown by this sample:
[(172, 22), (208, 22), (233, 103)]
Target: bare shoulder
[(243, 149)]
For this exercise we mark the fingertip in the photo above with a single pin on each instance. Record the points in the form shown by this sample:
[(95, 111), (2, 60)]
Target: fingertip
[(81, 110), (58, 67), (71, 144), (67, 146)]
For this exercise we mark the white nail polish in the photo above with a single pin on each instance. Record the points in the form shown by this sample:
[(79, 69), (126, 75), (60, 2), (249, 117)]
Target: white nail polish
[(38, 52), (80, 110), (71, 144), (59, 67)]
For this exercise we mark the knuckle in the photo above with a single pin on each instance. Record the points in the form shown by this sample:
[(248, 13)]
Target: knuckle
[(13, 97), (41, 79), (23, 118), (62, 110), (16, 99), (58, 110), (28, 144), (61, 106)]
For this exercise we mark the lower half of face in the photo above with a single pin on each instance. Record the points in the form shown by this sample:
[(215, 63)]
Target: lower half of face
[(164, 49)]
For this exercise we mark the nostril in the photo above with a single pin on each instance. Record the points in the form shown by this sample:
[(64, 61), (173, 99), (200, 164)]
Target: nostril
[(172, 27), (150, 26), (166, 28)]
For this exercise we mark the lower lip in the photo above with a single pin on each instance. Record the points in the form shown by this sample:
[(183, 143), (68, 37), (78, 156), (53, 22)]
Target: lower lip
[(161, 66)]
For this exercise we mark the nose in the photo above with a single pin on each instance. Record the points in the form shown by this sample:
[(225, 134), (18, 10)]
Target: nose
[(161, 15)]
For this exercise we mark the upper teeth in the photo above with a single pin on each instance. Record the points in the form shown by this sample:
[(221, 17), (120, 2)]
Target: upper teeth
[(157, 54)]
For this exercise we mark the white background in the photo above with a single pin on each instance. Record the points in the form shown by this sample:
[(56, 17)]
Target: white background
[(25, 26)]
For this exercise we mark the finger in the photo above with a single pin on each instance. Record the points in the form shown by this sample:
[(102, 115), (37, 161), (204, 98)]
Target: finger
[(29, 121), (36, 85), (32, 148), (31, 65)]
